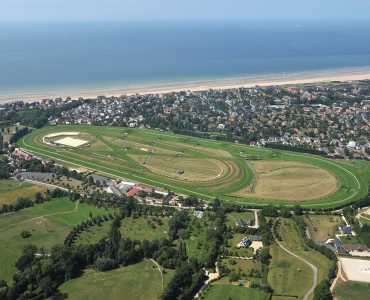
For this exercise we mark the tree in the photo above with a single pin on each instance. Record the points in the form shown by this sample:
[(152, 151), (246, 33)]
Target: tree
[(25, 234), (322, 291), (297, 209)]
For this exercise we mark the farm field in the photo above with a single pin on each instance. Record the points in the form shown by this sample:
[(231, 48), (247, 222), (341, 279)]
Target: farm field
[(292, 240), (288, 275), (210, 168), (10, 190), (65, 216), (224, 291), (138, 281), (322, 227), (351, 290)]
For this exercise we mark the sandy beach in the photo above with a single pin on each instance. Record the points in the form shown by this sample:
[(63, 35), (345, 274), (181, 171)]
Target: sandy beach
[(266, 80)]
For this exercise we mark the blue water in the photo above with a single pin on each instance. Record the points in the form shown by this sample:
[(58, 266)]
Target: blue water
[(78, 56)]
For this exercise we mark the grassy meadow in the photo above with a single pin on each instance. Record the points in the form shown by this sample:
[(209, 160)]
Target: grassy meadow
[(10, 190), (322, 227), (288, 275), (141, 228), (211, 169), (293, 241), (49, 223), (134, 282)]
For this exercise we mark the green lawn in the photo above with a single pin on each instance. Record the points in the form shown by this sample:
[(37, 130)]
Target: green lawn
[(353, 240), (138, 229), (225, 291), (45, 230), (234, 216), (237, 238), (139, 281)]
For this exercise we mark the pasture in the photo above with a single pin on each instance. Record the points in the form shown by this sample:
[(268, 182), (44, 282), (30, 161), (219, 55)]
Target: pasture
[(234, 292), (49, 223), (10, 190), (322, 227), (148, 228), (134, 282), (293, 241), (288, 275), (210, 168)]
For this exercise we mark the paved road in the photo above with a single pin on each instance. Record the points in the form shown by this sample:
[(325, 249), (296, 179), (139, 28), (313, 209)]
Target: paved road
[(314, 269), (45, 184)]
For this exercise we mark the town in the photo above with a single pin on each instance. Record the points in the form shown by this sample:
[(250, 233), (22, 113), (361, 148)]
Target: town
[(331, 117)]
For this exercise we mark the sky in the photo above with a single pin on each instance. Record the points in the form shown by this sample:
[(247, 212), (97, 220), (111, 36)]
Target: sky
[(120, 10)]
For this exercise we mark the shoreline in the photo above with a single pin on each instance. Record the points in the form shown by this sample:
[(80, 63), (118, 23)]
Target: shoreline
[(344, 75)]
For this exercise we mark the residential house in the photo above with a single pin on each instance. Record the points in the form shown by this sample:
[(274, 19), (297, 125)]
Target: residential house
[(199, 214)]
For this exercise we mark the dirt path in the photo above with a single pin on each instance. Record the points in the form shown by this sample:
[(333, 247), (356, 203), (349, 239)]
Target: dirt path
[(159, 268), (57, 213)]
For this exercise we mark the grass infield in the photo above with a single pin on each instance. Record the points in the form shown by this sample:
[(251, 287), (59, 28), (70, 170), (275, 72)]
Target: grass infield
[(211, 169)]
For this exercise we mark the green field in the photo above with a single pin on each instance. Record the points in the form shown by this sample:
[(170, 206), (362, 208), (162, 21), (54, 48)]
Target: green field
[(351, 290), (10, 190), (224, 291), (288, 275), (211, 169), (139, 281), (139, 229), (243, 264), (322, 227), (293, 241), (58, 216)]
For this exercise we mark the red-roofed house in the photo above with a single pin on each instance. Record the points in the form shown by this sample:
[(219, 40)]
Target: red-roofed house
[(133, 192)]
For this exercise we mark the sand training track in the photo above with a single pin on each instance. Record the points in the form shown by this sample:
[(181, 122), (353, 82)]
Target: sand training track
[(356, 269), (61, 133), (71, 142), (58, 134)]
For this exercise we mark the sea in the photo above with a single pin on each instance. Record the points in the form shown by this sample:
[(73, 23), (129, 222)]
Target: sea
[(47, 57)]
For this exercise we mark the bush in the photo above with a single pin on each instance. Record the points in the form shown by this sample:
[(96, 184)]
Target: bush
[(25, 234)]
